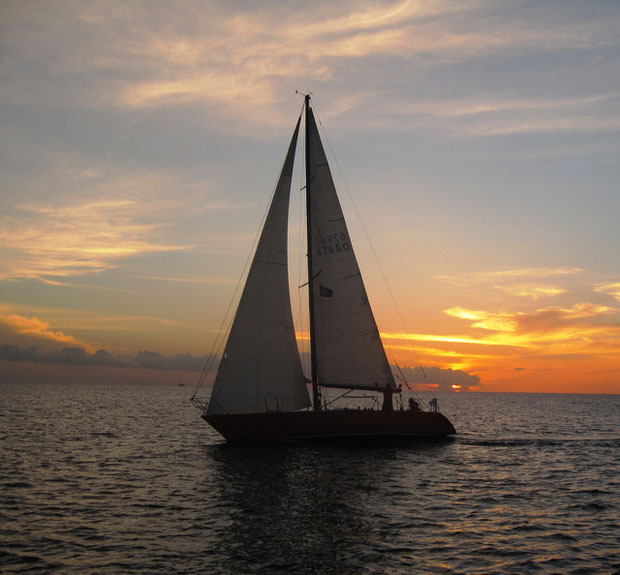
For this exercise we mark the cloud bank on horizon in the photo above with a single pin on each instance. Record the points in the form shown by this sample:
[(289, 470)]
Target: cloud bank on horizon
[(430, 378)]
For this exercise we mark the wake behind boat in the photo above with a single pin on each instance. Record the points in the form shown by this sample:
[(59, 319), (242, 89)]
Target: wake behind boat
[(260, 391)]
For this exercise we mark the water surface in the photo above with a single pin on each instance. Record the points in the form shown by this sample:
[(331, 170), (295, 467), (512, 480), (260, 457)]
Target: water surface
[(128, 479)]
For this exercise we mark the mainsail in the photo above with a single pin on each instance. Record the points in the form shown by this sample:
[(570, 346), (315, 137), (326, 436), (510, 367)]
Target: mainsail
[(261, 369), (349, 352)]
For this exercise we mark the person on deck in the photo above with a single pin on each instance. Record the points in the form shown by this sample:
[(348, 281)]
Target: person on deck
[(413, 405)]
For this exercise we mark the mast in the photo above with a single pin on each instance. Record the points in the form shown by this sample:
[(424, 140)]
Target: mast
[(316, 398)]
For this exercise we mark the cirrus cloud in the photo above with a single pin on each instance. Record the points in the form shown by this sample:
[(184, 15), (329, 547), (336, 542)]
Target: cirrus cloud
[(48, 241)]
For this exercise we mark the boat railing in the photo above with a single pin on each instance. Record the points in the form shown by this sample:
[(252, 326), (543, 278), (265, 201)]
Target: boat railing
[(372, 399), (202, 403)]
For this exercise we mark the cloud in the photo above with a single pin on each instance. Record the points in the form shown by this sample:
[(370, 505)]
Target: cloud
[(574, 325), (547, 319), (231, 58), (497, 115), (431, 377), (40, 343), (482, 105), (48, 241), (542, 319), (612, 289), (508, 275), (506, 330), (35, 328), (177, 362), (553, 330), (437, 337), (532, 291), (245, 57), (249, 61), (75, 355), (442, 379), (483, 319), (504, 114)]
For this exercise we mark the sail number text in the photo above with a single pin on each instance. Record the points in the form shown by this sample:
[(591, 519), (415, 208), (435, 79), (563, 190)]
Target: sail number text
[(333, 243)]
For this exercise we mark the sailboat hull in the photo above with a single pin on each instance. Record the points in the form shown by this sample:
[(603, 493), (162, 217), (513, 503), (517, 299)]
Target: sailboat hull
[(336, 424)]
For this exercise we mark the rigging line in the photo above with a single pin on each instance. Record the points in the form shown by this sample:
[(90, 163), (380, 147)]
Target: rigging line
[(402, 376), (217, 344), (413, 391), (374, 253), (227, 320)]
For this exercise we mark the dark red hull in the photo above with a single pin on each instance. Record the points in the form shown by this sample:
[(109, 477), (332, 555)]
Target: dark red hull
[(344, 424)]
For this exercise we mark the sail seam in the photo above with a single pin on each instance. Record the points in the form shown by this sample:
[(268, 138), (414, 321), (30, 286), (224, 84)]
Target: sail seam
[(271, 263)]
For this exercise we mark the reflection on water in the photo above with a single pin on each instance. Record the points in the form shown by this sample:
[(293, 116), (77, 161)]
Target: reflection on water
[(300, 508)]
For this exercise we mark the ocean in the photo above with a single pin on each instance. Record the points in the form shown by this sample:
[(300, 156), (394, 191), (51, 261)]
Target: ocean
[(112, 479)]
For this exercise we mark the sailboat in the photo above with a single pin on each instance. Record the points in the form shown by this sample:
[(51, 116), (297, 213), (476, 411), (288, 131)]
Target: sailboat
[(260, 391)]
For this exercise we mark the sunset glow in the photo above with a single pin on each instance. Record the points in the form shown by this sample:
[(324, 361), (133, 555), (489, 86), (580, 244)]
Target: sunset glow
[(479, 144)]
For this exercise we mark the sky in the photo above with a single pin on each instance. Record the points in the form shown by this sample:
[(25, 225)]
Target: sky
[(478, 142)]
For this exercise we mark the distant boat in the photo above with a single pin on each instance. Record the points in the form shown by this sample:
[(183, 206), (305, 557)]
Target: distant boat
[(260, 391)]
